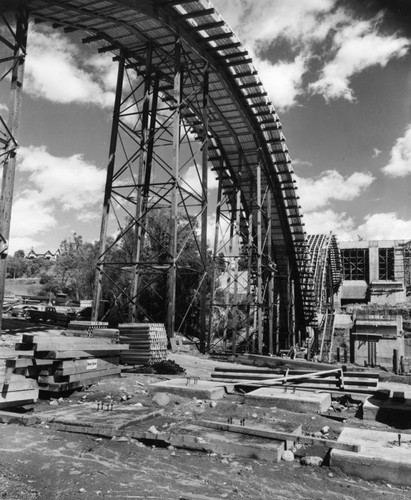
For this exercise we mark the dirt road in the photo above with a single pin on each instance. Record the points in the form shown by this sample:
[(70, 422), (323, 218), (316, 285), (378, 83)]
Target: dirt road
[(39, 463)]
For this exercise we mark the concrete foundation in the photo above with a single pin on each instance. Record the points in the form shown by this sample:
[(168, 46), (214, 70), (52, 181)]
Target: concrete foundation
[(380, 458), (393, 412), (228, 443), (290, 399), (200, 389)]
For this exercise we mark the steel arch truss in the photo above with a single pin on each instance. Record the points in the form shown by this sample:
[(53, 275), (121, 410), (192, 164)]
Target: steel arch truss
[(188, 97), (326, 264)]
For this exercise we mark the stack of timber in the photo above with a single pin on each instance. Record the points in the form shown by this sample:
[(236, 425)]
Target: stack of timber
[(95, 329), (15, 389), (147, 343), (335, 379), (63, 363)]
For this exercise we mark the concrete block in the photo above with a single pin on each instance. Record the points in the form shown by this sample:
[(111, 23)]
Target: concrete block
[(228, 443), (396, 413), (380, 457), (398, 397), (290, 399), (201, 389)]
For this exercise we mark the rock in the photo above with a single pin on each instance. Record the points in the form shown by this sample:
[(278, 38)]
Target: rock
[(287, 456), (123, 398), (54, 402), (314, 461), (325, 429), (123, 439), (213, 404), (153, 430), (161, 399), (81, 490), (318, 434)]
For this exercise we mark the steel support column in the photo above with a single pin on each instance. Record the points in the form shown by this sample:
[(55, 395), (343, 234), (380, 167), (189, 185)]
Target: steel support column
[(9, 164), (204, 215), (259, 298), (172, 273), (140, 188), (108, 189)]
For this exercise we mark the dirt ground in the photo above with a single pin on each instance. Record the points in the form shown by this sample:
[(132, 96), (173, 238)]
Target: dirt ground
[(40, 462)]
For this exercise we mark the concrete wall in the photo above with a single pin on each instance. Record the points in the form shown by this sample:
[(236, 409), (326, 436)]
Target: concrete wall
[(385, 333), (379, 292), (384, 351)]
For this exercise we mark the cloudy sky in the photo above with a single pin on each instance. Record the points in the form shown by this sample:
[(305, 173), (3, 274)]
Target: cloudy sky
[(338, 73)]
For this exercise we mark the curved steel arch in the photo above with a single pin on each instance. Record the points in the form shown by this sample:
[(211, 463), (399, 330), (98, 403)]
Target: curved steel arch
[(326, 264), (242, 133)]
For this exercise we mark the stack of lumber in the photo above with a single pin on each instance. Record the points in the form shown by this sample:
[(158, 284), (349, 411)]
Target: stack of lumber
[(147, 343), (96, 329), (343, 380), (15, 389), (63, 363)]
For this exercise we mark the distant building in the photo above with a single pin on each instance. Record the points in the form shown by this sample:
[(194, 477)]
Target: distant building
[(375, 272), (47, 255)]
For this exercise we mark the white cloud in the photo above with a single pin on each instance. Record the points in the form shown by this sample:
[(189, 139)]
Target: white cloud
[(357, 47), (70, 182), (385, 226), (400, 159), (88, 216), (192, 180), (331, 185), (328, 221), (30, 218), (22, 243), (56, 71), (381, 226), (283, 80), (297, 162), (258, 23)]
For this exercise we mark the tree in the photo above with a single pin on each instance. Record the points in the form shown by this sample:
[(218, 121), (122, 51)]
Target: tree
[(74, 269)]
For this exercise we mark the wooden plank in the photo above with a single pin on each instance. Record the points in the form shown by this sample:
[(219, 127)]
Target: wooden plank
[(282, 436), (69, 386), (51, 379), (294, 378), (68, 343), (278, 362), (71, 367), (90, 353), (27, 362), (19, 383)]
